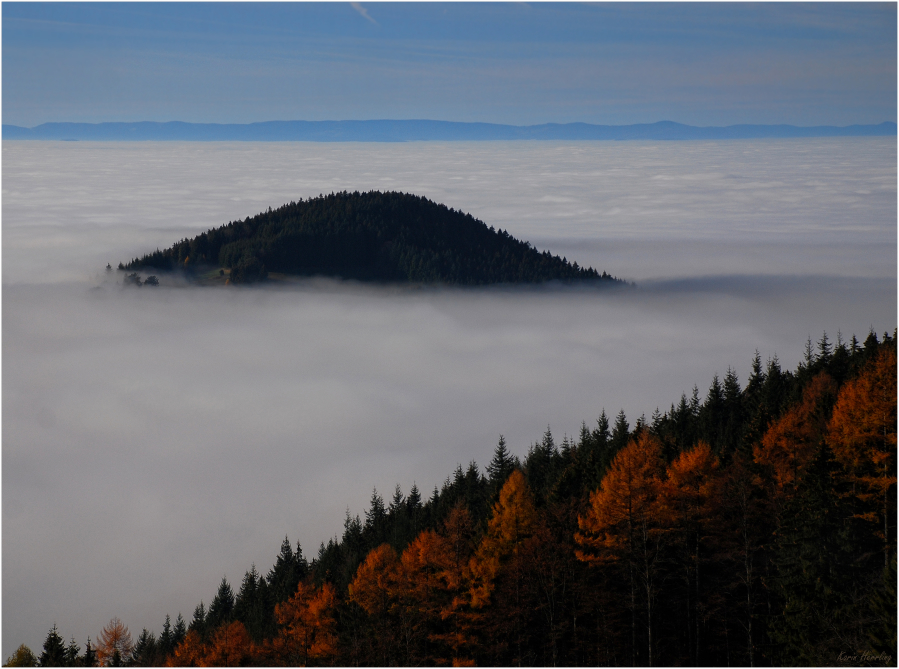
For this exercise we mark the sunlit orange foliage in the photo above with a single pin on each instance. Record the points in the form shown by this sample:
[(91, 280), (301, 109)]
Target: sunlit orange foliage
[(230, 646), (627, 501), (189, 653), (380, 588), (791, 442), (459, 531), (428, 565), (307, 626), (692, 486), (459, 620), (862, 429), (626, 519), (375, 583), (513, 521), (115, 637)]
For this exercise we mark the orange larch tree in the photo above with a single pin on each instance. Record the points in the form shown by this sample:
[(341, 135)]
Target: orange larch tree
[(459, 620), (513, 521), (626, 520), (114, 644), (791, 443), (191, 652), (306, 627), (691, 495), (377, 588), (501, 555), (230, 646), (862, 435)]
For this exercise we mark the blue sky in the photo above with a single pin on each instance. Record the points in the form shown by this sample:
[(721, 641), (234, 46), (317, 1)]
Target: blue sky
[(701, 64)]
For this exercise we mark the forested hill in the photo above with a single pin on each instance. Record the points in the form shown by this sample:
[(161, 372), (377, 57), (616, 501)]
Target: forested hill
[(374, 236)]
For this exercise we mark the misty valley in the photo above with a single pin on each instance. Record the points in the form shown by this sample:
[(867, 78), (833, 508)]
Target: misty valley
[(745, 526), (480, 453)]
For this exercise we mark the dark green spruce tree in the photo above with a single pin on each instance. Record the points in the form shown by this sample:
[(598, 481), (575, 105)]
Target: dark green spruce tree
[(54, 653), (817, 569)]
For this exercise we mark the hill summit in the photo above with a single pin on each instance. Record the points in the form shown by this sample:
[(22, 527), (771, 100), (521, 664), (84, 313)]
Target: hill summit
[(374, 236)]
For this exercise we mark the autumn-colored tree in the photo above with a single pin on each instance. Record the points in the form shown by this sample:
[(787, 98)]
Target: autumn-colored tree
[(431, 582), (23, 657), (691, 494), (862, 435), (307, 627), (230, 646), (456, 632), (376, 589), (513, 521), (791, 443), (499, 560), (191, 652), (625, 521), (114, 644)]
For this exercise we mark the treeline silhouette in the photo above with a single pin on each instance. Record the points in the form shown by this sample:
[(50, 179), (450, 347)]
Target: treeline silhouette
[(754, 526), (391, 237)]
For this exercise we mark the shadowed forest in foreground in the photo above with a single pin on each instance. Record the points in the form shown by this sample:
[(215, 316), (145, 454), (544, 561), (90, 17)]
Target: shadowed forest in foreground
[(753, 526)]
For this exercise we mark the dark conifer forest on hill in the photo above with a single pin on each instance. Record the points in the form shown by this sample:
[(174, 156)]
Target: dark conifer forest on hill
[(386, 237), (747, 525)]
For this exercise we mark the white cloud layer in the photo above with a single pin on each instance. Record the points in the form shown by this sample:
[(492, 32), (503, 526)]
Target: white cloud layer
[(155, 440)]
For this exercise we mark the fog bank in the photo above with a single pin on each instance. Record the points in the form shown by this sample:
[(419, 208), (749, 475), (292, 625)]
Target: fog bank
[(157, 439)]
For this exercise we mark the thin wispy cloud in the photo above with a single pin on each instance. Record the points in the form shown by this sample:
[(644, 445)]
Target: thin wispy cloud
[(490, 62), (363, 11)]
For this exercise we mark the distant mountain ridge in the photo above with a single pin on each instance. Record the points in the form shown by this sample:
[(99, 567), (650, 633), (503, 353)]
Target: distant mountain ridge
[(421, 130)]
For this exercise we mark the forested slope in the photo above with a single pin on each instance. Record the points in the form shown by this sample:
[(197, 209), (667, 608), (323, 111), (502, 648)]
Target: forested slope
[(754, 526), (371, 236)]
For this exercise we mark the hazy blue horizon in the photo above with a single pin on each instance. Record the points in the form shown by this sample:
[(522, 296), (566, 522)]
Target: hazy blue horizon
[(387, 130), (703, 64)]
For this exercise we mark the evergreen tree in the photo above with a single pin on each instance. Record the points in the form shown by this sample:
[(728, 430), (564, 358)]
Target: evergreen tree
[(72, 659), (166, 640), (816, 568), (375, 520), (882, 633), (809, 355), (222, 606), (540, 466), (620, 435), (54, 654), (198, 623), (500, 467), (288, 570), (145, 650), (712, 417), (90, 655), (250, 607), (733, 414), (413, 501), (840, 361), (179, 631), (825, 350)]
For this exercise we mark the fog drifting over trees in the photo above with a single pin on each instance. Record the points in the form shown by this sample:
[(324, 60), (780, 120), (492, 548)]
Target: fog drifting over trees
[(154, 437)]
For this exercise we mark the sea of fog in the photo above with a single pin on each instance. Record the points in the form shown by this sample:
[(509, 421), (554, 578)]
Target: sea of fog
[(155, 440)]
